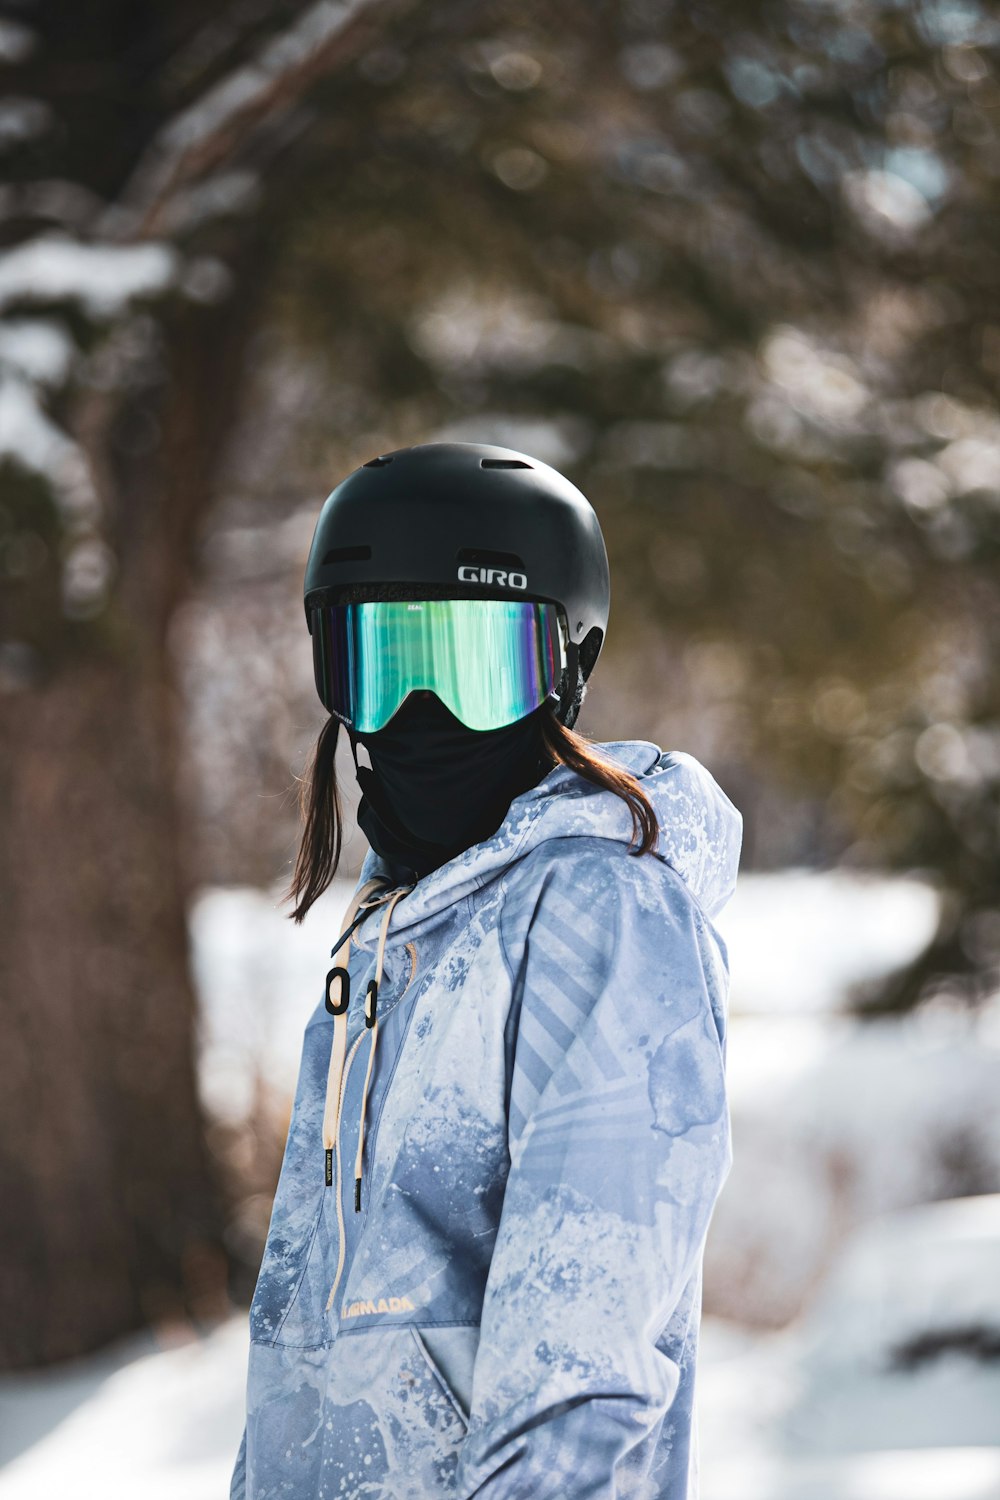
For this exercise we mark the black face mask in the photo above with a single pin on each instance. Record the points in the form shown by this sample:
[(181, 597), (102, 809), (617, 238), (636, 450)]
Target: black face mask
[(436, 787)]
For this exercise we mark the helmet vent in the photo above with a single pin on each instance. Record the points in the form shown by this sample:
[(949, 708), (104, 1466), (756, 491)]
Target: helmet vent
[(479, 557), (377, 463), (503, 463), (347, 554)]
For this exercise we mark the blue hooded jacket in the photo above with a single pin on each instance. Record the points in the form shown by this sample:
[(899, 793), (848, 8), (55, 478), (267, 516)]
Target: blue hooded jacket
[(507, 1306)]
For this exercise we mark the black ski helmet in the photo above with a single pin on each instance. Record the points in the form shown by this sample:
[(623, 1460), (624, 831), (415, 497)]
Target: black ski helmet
[(466, 520)]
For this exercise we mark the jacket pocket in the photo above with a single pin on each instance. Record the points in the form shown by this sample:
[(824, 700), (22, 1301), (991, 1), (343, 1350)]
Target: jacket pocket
[(449, 1350), (390, 1415)]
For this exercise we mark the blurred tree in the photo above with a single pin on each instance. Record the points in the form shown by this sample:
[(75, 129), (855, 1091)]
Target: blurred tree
[(138, 236)]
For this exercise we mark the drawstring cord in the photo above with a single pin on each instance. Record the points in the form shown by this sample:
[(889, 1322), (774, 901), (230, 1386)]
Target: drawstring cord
[(338, 991), (371, 1022)]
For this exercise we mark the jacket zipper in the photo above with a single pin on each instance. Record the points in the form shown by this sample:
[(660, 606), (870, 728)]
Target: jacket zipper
[(341, 1226)]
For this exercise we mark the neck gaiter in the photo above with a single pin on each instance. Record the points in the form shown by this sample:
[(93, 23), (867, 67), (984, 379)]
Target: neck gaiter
[(436, 787)]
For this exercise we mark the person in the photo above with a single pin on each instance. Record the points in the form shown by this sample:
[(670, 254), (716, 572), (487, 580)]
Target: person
[(482, 1275)]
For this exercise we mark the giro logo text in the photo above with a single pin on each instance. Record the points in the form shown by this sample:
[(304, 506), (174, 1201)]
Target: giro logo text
[(500, 576)]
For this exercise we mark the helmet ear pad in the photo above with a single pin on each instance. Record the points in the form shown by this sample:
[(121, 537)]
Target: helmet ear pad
[(580, 662), (590, 650)]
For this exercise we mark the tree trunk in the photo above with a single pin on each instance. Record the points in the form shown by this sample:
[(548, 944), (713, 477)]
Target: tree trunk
[(112, 1216)]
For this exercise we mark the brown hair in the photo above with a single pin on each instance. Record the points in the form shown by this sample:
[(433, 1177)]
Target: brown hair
[(322, 812)]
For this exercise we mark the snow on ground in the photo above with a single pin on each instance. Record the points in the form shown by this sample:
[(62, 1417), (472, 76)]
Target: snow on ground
[(260, 977), (139, 1421), (833, 1123), (887, 1389), (785, 934)]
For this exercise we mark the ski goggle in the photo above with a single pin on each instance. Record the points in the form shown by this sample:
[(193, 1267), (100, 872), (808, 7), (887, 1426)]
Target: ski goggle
[(490, 661)]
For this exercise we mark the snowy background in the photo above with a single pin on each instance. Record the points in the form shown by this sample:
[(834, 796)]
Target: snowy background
[(835, 1365)]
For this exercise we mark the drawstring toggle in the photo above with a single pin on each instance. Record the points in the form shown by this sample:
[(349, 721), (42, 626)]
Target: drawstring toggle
[(338, 1007)]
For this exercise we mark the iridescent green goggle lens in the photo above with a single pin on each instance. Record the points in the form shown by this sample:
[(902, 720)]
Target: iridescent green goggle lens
[(490, 661)]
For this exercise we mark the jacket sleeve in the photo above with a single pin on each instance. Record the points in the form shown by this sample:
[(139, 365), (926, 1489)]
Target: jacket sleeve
[(238, 1482), (619, 1143)]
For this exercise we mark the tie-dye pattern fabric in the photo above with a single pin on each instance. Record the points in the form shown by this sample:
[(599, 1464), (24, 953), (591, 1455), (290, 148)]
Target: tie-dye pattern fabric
[(547, 1134)]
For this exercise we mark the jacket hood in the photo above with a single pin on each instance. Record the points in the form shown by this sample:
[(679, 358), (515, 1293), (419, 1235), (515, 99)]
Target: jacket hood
[(701, 833)]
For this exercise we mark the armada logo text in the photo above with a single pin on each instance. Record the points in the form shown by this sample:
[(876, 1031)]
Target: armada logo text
[(500, 576), (381, 1305)]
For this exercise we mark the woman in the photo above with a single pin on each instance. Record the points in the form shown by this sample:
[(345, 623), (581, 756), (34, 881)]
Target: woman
[(483, 1270)]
